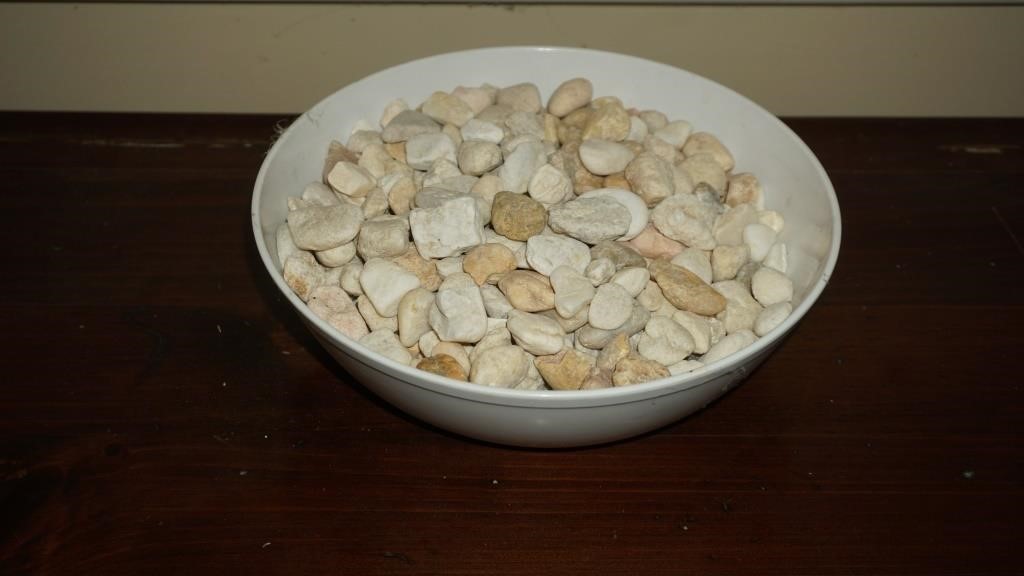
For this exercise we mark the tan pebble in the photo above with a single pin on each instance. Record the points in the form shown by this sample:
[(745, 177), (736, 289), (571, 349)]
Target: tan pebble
[(614, 351), (517, 216), (566, 370), (551, 125), (527, 290), (685, 290), (651, 178), (617, 180), (653, 244), (635, 369), (524, 97), (704, 168), (597, 379), (706, 143), (443, 365), (578, 119), (488, 259), (447, 109), (608, 122), (744, 188), (401, 194), (570, 95), (396, 150)]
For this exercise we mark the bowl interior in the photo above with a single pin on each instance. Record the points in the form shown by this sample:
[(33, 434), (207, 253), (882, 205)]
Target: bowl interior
[(794, 182)]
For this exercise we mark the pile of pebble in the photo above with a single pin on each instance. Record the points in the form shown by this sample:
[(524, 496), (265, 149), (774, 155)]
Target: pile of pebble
[(485, 237)]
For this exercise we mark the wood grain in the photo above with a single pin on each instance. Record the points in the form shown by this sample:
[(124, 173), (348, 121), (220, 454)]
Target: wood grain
[(162, 410)]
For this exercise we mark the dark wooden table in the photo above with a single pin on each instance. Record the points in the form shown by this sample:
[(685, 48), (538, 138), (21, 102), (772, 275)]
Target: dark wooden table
[(163, 412)]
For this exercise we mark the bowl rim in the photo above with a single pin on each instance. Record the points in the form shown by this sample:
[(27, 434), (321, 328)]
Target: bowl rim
[(547, 398)]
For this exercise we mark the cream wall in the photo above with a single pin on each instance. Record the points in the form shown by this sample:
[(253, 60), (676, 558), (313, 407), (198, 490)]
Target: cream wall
[(964, 61)]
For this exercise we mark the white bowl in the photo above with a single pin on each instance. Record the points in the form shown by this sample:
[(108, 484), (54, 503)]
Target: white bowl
[(794, 182)]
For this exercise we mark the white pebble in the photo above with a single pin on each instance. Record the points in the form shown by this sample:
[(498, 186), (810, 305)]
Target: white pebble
[(590, 220), (422, 150), (699, 328), (450, 265), (603, 157), (611, 307), (391, 110), (770, 286), (569, 96), (546, 252), (671, 219), (771, 317), (777, 257), (406, 124), (458, 314), (535, 333), (337, 256), (599, 271), (520, 165), (385, 343), (481, 131), (772, 219), (730, 225), (476, 157), (500, 366), (549, 185), (447, 229), (573, 291), (728, 345), (638, 130), (414, 315), (675, 133), (759, 238), (684, 367), (350, 179), (382, 237), (324, 227), (638, 211), (495, 303), (384, 283), (665, 341), (633, 279), (696, 261)]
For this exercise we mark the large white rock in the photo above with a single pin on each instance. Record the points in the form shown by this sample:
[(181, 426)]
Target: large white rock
[(770, 286), (611, 307), (536, 334), (385, 343), (665, 341), (728, 345), (384, 283), (573, 291), (422, 150), (407, 124), (549, 185), (458, 314), (501, 366), (520, 165), (448, 229), (638, 212), (545, 252), (324, 227), (671, 218), (590, 220), (477, 130), (603, 157)]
